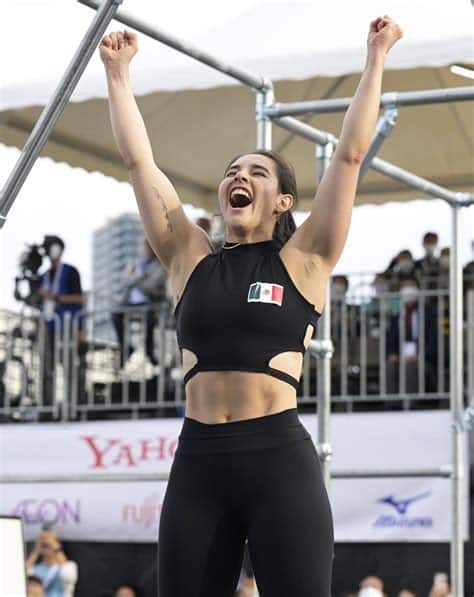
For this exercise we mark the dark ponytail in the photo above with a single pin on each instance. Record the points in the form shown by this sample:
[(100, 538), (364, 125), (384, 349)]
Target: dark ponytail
[(285, 225)]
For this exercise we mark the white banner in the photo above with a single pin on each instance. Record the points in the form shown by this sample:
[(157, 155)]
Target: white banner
[(379, 510)]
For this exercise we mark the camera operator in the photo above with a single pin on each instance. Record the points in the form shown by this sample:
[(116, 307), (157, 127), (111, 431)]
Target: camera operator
[(61, 292), (144, 285)]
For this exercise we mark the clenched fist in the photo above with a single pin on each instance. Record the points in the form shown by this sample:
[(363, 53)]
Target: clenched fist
[(118, 48), (384, 33)]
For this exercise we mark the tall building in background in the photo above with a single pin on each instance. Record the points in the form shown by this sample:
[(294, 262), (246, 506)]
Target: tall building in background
[(116, 245)]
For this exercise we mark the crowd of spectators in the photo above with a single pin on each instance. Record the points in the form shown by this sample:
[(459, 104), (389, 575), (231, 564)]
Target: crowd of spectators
[(409, 304), (406, 308), (51, 574), (373, 586)]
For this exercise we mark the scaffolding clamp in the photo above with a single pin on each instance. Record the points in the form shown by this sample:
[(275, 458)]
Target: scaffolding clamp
[(466, 423), (390, 99), (385, 125), (388, 121), (322, 349), (265, 99), (464, 199), (325, 150), (324, 451)]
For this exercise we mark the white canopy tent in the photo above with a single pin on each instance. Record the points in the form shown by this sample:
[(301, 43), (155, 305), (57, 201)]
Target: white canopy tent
[(308, 51)]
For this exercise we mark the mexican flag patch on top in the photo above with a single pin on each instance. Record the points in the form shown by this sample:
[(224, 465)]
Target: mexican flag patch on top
[(265, 292)]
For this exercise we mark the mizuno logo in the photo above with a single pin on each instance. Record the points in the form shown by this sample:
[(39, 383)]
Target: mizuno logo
[(401, 506)]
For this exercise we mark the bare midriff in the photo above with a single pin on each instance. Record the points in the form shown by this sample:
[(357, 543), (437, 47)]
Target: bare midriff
[(225, 396)]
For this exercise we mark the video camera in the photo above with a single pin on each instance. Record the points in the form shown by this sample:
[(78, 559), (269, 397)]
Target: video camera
[(28, 282)]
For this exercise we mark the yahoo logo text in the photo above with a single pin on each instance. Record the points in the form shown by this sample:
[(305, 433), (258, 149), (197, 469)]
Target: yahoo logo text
[(115, 452)]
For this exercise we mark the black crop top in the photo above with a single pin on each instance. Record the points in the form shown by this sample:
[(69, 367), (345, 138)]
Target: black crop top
[(240, 308)]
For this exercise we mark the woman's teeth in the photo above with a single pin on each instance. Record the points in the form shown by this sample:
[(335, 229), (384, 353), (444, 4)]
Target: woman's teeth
[(240, 198)]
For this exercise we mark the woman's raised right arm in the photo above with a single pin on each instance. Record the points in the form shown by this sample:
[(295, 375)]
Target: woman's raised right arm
[(167, 228)]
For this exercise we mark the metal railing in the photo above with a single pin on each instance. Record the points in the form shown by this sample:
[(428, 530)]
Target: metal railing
[(389, 352)]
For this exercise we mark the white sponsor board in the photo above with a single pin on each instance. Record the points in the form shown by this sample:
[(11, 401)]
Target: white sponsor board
[(388, 509)]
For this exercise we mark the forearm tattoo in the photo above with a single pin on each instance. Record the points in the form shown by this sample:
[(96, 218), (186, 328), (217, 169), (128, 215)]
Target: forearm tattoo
[(164, 209)]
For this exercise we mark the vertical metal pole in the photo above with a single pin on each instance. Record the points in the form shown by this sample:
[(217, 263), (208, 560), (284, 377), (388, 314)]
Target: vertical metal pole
[(470, 346), (74, 389), (456, 400), (265, 98), (363, 352), (421, 342), (163, 315), (67, 342), (324, 354), (441, 298), (41, 359), (57, 339), (345, 356), (55, 107), (383, 346)]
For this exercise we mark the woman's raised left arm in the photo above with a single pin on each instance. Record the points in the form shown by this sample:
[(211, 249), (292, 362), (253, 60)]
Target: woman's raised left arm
[(323, 234)]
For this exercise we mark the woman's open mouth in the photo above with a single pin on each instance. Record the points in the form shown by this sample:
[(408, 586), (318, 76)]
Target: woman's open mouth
[(239, 198)]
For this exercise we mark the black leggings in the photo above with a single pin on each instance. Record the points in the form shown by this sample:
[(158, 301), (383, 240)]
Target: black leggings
[(258, 480)]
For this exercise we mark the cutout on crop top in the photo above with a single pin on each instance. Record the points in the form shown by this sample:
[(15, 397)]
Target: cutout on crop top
[(285, 365), (279, 361)]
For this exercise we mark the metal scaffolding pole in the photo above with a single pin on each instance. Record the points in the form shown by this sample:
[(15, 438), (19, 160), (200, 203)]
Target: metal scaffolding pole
[(55, 107), (443, 471), (264, 124), (456, 401), (385, 126), (405, 98), (324, 349), (312, 134), (384, 473), (257, 82)]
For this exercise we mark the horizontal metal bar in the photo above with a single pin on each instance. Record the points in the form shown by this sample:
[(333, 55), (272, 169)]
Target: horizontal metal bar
[(257, 82), (442, 471), (391, 98), (421, 184), (316, 136), (304, 130), (99, 478)]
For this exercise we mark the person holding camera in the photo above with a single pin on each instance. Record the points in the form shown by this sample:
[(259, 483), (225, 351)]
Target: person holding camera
[(57, 573), (60, 285), (61, 294)]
